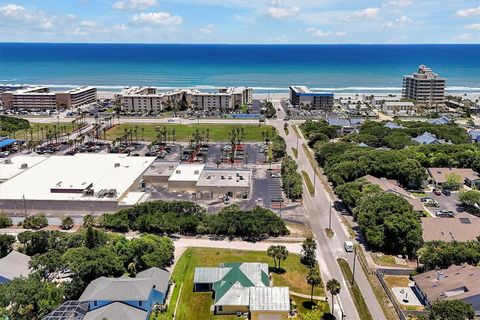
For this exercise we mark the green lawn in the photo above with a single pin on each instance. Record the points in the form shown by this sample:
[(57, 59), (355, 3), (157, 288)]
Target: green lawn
[(309, 183), (183, 132), (39, 130), (194, 305), (295, 152), (304, 306), (360, 304)]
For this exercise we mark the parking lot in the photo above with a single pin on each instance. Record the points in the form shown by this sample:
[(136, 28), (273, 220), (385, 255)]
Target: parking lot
[(446, 203)]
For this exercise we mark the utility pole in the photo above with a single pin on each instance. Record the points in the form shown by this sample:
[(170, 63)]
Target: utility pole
[(330, 220), (354, 258), (24, 206)]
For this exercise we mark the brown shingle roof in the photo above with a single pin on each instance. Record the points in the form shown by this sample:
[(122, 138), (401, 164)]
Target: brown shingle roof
[(439, 175), (463, 227), (454, 283), (387, 186)]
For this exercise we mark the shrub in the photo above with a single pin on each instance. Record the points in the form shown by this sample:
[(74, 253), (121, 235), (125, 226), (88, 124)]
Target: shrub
[(5, 221), (35, 222), (67, 223)]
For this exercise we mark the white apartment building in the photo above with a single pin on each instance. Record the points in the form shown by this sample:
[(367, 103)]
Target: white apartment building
[(149, 100), (424, 86), (399, 108)]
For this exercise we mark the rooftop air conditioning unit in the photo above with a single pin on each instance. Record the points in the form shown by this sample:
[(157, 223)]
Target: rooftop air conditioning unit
[(24, 166), (8, 161), (117, 165)]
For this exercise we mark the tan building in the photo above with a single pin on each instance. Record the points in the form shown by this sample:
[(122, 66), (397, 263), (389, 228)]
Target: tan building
[(215, 183), (35, 97), (42, 98), (399, 108), (76, 97), (467, 175), (149, 100), (454, 283), (424, 86), (463, 227)]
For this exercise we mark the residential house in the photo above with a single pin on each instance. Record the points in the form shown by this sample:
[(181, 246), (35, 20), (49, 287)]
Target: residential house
[(429, 138), (136, 297), (474, 135), (393, 125), (469, 177), (14, 265), (400, 108), (439, 121), (391, 186), (240, 288), (454, 283), (463, 227)]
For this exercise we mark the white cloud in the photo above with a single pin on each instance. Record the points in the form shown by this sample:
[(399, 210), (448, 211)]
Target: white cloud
[(319, 33), (243, 18), (364, 14), (12, 14), (88, 24), (134, 4), (469, 12), (463, 36), (475, 26), (120, 27), (399, 22), (400, 3), (163, 19), (208, 29), (278, 10)]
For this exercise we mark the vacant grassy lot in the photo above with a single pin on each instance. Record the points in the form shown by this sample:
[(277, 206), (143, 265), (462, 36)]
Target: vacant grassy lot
[(194, 305), (183, 132), (40, 130)]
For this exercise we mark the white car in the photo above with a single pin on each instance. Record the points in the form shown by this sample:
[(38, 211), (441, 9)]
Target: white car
[(348, 245)]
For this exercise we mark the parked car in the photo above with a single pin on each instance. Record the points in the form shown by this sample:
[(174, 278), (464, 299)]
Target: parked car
[(276, 175), (348, 245), (437, 192), (444, 213), (446, 192)]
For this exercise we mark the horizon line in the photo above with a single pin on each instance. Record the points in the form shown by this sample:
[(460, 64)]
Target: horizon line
[(240, 44)]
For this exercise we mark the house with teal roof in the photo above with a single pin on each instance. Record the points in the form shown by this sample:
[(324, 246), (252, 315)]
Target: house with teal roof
[(242, 288)]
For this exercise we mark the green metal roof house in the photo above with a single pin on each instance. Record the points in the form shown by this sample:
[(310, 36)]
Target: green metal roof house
[(243, 288)]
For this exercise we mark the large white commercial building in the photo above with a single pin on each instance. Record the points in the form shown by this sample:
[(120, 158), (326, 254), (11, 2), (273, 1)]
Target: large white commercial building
[(424, 86), (302, 96), (42, 98), (150, 100), (83, 183)]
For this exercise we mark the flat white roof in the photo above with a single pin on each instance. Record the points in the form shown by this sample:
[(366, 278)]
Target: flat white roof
[(187, 172), (11, 167), (102, 171), (225, 178)]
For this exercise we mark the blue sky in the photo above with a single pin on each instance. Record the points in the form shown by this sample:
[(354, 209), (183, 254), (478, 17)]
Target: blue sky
[(241, 21)]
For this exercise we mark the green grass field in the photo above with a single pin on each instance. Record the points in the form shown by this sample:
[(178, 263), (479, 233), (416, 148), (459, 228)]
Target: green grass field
[(195, 305), (309, 183), (39, 130), (183, 132)]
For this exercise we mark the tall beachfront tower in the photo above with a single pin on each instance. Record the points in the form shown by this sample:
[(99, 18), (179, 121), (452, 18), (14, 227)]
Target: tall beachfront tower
[(424, 86)]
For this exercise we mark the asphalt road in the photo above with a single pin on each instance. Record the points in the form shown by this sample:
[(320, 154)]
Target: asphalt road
[(318, 209)]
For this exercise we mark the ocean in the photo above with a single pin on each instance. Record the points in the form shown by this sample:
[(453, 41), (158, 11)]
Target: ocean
[(266, 68)]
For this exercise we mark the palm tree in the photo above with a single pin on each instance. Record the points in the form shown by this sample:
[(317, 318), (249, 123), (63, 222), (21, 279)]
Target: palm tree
[(314, 280), (271, 252), (282, 254), (333, 286)]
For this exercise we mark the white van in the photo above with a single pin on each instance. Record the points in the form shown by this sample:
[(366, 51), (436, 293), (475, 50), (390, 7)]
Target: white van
[(348, 246)]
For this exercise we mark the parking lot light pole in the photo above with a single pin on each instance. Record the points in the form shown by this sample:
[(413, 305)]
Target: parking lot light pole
[(330, 220)]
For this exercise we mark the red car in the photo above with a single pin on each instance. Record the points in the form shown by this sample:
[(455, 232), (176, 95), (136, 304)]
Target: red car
[(437, 192)]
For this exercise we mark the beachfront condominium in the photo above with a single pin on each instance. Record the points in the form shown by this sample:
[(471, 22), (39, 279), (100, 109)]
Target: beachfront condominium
[(302, 96), (42, 98), (149, 100), (28, 98), (424, 86), (76, 97)]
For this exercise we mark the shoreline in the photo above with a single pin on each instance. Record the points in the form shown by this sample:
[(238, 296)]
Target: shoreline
[(345, 95)]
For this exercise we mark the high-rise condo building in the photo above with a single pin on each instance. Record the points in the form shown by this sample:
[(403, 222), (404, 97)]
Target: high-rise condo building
[(424, 86)]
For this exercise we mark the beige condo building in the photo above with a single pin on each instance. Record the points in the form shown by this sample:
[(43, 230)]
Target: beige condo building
[(424, 86)]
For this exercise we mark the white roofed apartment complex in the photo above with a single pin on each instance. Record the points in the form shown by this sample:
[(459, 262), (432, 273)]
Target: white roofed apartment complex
[(424, 86), (43, 98), (149, 100), (302, 96)]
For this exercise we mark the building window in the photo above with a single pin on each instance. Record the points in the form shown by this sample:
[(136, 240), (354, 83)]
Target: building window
[(140, 303), (220, 308), (95, 303)]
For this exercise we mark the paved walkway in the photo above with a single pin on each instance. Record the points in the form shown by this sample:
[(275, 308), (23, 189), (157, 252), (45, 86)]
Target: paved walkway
[(307, 296)]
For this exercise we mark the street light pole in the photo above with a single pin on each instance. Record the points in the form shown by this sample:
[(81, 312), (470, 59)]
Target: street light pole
[(330, 220), (354, 258)]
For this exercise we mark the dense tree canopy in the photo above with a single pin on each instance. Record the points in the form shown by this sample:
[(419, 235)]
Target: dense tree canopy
[(320, 130), (188, 218), (389, 223), (291, 179), (451, 310), (439, 254)]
